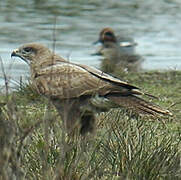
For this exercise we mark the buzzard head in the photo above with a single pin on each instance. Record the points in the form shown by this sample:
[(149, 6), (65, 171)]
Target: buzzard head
[(31, 52)]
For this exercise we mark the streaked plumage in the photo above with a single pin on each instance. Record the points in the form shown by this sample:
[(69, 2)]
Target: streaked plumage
[(118, 52), (80, 91)]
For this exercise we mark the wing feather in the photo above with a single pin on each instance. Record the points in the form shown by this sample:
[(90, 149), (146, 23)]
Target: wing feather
[(107, 77), (67, 80)]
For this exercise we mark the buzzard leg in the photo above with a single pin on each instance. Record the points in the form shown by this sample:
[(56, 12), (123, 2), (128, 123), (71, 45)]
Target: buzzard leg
[(69, 112), (87, 123), (74, 116)]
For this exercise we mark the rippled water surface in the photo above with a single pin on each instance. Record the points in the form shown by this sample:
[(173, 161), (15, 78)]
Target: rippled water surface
[(155, 26)]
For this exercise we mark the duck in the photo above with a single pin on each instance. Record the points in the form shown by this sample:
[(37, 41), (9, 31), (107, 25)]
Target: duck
[(118, 52)]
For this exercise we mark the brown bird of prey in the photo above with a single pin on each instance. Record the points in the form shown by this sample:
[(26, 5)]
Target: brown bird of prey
[(79, 91)]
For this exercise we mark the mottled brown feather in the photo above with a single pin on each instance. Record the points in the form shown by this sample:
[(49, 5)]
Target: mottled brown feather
[(77, 86), (67, 80)]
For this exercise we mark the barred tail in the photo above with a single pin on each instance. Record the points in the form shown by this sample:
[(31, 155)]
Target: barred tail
[(138, 105)]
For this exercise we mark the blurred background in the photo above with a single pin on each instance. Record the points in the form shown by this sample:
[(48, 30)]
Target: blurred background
[(155, 26)]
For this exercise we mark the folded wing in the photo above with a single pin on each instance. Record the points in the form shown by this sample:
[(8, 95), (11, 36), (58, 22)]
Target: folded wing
[(68, 80)]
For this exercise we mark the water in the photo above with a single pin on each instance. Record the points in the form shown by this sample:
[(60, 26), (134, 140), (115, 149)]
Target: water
[(155, 26)]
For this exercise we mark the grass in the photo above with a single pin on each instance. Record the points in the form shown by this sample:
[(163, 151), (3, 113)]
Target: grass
[(33, 144)]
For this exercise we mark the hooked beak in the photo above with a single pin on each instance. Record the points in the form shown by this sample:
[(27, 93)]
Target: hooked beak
[(15, 53)]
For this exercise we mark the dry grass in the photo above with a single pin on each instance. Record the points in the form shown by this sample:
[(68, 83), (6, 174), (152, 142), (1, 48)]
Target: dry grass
[(33, 145)]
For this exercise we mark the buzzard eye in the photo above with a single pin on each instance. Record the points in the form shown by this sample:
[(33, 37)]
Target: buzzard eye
[(28, 49)]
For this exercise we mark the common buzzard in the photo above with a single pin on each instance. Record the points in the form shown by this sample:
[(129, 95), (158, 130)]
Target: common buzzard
[(79, 91)]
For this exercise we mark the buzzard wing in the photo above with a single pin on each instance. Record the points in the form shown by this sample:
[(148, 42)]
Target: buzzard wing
[(68, 80), (107, 77)]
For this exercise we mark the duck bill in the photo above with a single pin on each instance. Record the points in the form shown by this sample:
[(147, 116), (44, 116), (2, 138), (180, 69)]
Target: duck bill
[(97, 54), (96, 42)]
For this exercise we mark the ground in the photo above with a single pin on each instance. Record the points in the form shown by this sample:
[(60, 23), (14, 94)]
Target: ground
[(35, 146)]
